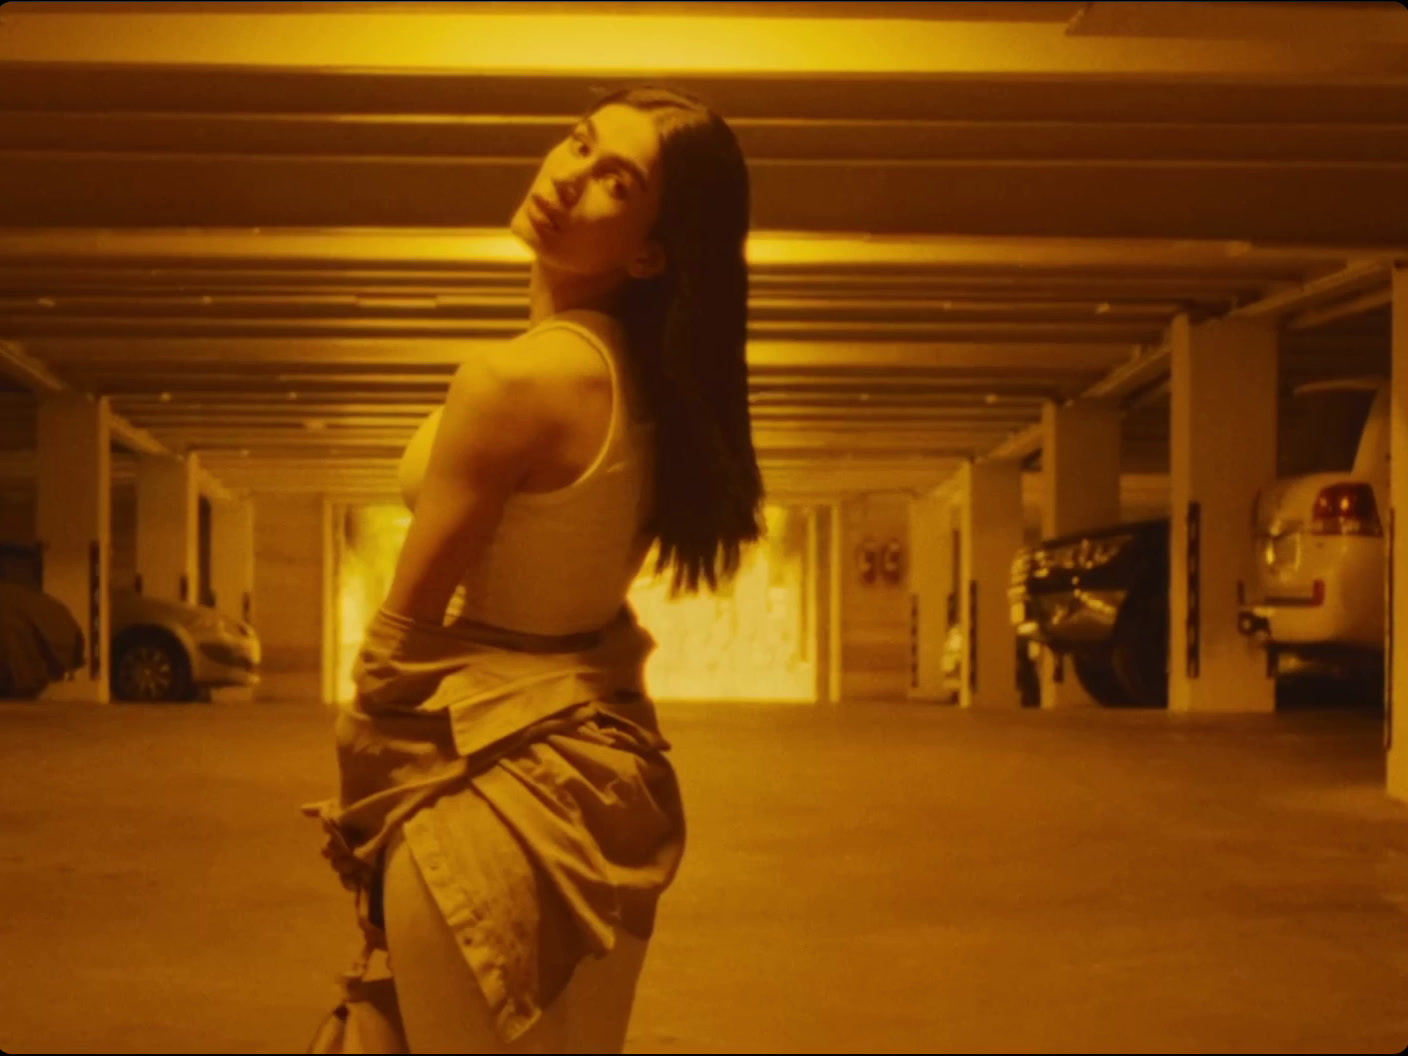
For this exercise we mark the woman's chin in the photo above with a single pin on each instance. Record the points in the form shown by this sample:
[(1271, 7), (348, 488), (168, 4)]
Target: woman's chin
[(521, 229)]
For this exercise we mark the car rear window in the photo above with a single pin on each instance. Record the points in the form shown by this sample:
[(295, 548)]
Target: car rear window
[(1320, 432)]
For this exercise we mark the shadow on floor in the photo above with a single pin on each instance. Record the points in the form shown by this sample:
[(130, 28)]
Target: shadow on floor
[(1328, 693)]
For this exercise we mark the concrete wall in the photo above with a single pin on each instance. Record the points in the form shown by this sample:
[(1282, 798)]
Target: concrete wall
[(874, 618), (1396, 697), (17, 514), (1143, 496), (17, 510), (124, 534), (821, 601), (288, 594), (931, 580)]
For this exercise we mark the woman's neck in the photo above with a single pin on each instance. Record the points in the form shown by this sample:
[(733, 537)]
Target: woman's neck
[(552, 292)]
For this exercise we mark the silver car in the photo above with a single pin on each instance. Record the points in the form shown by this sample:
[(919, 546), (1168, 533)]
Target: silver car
[(170, 650)]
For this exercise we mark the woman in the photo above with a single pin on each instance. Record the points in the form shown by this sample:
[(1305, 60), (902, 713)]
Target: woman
[(507, 816)]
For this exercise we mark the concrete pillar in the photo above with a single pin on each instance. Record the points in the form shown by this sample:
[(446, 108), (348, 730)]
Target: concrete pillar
[(931, 580), (168, 554), (294, 557), (232, 556), (1223, 449), (821, 528), (837, 570), (1396, 718), (73, 521), (874, 608), (991, 535), (330, 545), (1080, 469)]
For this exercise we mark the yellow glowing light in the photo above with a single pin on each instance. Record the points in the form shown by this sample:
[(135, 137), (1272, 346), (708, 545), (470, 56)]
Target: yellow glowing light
[(750, 643), (696, 39), (371, 539), (630, 44)]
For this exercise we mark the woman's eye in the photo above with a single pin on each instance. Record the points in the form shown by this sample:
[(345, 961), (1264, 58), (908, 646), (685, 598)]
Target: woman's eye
[(580, 146), (616, 187)]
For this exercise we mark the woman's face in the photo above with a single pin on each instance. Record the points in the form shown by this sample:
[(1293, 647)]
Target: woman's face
[(593, 204)]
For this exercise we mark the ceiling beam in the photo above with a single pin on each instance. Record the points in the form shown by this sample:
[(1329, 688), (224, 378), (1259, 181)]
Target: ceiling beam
[(457, 255), (813, 308), (39, 379), (585, 43), (1365, 302), (435, 358), (19, 366), (1151, 365), (55, 325)]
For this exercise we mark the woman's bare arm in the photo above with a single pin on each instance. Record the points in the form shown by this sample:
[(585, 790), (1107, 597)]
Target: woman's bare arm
[(498, 423)]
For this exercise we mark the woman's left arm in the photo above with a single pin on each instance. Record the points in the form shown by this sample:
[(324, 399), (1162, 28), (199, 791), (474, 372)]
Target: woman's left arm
[(494, 430)]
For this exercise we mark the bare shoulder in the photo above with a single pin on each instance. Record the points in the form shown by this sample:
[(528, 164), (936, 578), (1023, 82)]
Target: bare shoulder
[(556, 355), (534, 365), (554, 368), (530, 395)]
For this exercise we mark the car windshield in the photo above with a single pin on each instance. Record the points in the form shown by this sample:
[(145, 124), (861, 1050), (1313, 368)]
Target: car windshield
[(1320, 432)]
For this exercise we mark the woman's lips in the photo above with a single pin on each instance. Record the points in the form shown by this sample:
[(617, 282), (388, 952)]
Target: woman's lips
[(543, 216)]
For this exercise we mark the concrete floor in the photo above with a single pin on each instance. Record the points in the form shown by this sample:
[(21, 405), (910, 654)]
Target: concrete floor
[(890, 878)]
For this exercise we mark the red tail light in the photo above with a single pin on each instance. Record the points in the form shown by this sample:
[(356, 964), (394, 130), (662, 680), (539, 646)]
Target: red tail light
[(1345, 509)]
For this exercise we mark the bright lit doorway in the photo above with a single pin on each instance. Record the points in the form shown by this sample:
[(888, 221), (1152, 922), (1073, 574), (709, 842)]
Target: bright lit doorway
[(754, 641)]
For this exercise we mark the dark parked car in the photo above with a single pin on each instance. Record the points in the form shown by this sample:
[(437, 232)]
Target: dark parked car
[(40, 641), (1099, 599)]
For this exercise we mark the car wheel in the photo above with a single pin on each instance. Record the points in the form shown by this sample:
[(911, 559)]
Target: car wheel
[(151, 666), (1139, 657), (1097, 677)]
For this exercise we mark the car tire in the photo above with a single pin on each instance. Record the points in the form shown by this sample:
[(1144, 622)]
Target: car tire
[(1139, 656), (1096, 675), (150, 665)]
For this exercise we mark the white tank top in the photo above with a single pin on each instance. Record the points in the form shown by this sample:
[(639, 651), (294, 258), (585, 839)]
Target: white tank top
[(562, 561)]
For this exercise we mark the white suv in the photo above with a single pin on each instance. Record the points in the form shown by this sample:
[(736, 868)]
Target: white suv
[(1319, 594)]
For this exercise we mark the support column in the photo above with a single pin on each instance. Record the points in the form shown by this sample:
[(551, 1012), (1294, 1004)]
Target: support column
[(1396, 647), (232, 557), (1223, 449), (73, 521), (168, 554), (331, 541), (930, 583), (823, 617), (874, 606), (837, 568), (991, 536), (295, 574), (1080, 472)]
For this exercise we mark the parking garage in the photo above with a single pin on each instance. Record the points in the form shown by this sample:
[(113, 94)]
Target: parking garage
[(1024, 277)]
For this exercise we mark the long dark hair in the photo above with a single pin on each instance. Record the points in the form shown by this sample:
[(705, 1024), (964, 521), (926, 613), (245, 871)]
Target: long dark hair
[(686, 330)]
